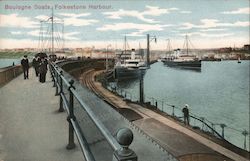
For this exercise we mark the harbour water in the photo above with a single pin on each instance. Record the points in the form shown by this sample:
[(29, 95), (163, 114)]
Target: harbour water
[(219, 93), (8, 62)]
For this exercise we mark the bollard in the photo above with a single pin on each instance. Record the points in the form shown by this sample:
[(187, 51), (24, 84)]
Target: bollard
[(71, 144), (61, 92), (124, 137)]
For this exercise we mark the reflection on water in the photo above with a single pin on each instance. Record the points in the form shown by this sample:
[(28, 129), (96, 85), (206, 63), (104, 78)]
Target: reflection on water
[(185, 68)]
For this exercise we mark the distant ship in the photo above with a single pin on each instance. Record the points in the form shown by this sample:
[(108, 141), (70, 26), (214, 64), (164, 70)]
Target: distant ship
[(182, 60), (132, 67)]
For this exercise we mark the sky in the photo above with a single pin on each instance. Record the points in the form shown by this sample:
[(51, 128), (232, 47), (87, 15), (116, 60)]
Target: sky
[(208, 23)]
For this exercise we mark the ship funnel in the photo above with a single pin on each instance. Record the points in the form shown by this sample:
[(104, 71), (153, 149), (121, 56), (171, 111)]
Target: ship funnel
[(133, 54)]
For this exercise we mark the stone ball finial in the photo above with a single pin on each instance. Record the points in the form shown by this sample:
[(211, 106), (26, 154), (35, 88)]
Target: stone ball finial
[(124, 137), (71, 82)]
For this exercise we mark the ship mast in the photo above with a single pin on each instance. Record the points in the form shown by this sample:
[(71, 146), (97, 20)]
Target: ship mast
[(52, 33), (125, 39), (187, 43)]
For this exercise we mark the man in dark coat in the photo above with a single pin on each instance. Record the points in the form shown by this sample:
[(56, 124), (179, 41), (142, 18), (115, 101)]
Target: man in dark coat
[(186, 114), (35, 64), (43, 70), (25, 65)]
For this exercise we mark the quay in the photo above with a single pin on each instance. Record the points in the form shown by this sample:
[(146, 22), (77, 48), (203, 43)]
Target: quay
[(32, 128)]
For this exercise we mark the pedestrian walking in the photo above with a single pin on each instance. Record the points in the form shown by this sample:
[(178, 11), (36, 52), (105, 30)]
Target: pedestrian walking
[(35, 63), (43, 70), (25, 66), (185, 111)]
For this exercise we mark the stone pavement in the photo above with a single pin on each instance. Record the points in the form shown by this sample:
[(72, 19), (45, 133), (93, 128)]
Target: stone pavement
[(31, 129)]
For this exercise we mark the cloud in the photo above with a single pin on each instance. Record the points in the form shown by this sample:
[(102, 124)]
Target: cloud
[(141, 28), (14, 20), (202, 34), (150, 11), (245, 10), (71, 36), (135, 34), (42, 17), (16, 32), (74, 15), (213, 29), (213, 23), (76, 20), (185, 12), (67, 35)]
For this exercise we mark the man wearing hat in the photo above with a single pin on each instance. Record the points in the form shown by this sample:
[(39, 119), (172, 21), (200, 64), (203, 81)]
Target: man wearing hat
[(186, 114), (25, 65)]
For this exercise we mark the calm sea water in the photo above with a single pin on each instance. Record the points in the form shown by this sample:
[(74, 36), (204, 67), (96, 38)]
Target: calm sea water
[(8, 62), (219, 92)]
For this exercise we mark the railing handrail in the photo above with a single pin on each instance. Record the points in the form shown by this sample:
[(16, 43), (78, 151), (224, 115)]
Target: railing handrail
[(118, 148), (214, 131), (115, 145)]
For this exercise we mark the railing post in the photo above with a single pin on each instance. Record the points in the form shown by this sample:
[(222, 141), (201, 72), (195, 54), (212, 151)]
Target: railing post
[(57, 81), (61, 92), (124, 137), (222, 128), (71, 143), (245, 133), (202, 119), (173, 110), (53, 75)]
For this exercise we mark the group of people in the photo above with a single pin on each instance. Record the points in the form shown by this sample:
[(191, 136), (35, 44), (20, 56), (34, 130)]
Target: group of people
[(39, 64)]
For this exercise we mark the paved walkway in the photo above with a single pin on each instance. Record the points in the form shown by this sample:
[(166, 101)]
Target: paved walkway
[(31, 129)]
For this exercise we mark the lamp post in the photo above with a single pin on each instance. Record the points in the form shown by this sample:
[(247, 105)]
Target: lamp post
[(107, 57), (149, 39)]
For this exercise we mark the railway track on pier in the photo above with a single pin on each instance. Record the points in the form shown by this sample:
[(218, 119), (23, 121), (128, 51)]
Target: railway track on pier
[(87, 79)]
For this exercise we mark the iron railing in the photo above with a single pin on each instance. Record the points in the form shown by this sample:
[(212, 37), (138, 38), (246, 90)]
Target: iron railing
[(124, 136), (216, 129)]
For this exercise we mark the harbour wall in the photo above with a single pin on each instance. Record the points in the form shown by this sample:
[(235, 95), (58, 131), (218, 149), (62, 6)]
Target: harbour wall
[(9, 73)]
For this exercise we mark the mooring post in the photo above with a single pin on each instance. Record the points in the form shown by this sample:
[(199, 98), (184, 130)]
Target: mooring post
[(124, 137), (57, 81), (71, 143), (61, 92)]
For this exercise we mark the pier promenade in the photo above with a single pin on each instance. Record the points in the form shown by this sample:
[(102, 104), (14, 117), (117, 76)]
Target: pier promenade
[(31, 129)]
